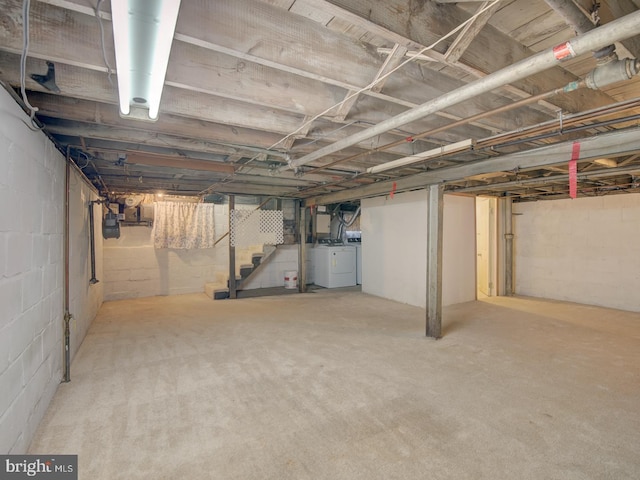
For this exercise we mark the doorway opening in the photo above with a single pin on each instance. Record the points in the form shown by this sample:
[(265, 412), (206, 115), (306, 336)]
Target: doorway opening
[(486, 247)]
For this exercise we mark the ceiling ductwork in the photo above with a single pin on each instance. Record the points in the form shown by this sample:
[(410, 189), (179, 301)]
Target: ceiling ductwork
[(610, 69)]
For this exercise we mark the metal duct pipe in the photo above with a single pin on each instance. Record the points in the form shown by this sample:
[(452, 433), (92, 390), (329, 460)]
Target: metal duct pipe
[(572, 15), (612, 71), (620, 29), (581, 24)]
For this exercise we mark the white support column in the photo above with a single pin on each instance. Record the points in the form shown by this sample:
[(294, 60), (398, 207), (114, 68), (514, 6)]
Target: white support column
[(434, 261)]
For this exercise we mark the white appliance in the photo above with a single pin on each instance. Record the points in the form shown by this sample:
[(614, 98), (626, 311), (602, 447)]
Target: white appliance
[(334, 266)]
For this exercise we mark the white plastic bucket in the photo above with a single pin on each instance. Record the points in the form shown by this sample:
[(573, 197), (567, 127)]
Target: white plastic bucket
[(291, 279)]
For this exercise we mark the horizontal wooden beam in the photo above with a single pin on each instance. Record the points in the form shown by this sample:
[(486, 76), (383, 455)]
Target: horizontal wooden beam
[(81, 83), (242, 140), (178, 162)]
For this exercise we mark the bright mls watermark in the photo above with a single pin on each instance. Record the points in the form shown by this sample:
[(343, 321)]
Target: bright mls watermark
[(45, 467)]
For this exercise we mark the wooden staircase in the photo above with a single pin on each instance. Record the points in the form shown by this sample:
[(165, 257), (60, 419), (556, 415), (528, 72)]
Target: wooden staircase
[(249, 261)]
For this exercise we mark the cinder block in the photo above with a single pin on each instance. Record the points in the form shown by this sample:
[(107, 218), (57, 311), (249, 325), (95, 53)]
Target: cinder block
[(6, 342), (20, 180), (52, 341), (56, 305), (31, 288), (141, 274), (4, 172), (9, 217), (10, 299), (12, 423), (40, 249), (19, 253), (3, 254), (12, 384), (56, 254), (32, 359)]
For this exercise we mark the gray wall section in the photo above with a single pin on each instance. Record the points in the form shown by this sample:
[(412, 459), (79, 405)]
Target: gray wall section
[(32, 275)]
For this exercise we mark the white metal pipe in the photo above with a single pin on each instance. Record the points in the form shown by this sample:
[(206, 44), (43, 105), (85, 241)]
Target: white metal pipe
[(620, 29), (419, 157)]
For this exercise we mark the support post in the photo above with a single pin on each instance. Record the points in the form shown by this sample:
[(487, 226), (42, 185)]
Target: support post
[(434, 261), (508, 250), (302, 247), (232, 254)]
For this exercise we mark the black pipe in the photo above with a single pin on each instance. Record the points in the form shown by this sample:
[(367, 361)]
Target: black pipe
[(67, 315), (92, 246)]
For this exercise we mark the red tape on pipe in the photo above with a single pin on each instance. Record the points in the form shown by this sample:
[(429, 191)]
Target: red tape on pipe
[(573, 170), (563, 51)]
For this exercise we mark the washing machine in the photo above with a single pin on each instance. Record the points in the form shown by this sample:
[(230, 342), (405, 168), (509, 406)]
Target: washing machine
[(334, 266)]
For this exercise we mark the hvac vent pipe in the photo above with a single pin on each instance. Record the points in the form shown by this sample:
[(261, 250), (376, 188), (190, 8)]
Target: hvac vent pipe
[(620, 29)]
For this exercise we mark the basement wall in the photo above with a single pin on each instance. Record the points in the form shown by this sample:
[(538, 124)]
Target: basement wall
[(394, 248), (32, 275), (134, 268), (85, 299), (585, 250)]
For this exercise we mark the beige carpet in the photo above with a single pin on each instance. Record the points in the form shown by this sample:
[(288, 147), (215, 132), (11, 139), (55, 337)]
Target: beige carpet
[(341, 385)]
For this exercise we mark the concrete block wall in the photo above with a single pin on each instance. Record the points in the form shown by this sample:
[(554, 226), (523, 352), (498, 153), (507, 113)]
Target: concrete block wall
[(585, 250), (134, 268), (394, 248), (31, 275), (85, 299)]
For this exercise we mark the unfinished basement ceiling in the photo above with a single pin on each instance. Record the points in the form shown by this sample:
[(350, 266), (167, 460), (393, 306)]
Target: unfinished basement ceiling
[(251, 85)]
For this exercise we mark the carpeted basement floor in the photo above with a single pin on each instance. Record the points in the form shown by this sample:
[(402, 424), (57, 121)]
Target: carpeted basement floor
[(341, 385)]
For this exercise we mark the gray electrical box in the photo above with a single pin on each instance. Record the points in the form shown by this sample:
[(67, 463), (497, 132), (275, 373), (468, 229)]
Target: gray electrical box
[(323, 223)]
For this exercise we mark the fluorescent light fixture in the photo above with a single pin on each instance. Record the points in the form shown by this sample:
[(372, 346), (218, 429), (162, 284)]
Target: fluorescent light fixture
[(436, 152), (143, 32)]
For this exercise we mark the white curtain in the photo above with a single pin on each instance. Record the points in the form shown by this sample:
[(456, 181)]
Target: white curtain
[(183, 225)]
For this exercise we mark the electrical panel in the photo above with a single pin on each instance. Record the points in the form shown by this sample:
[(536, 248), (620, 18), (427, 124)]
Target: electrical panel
[(146, 212), (323, 223)]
